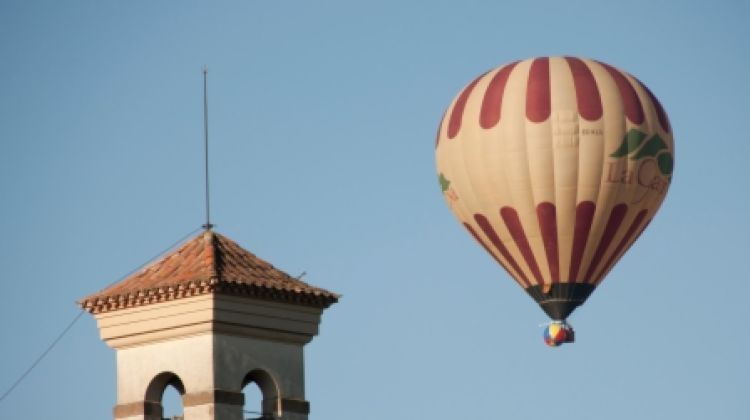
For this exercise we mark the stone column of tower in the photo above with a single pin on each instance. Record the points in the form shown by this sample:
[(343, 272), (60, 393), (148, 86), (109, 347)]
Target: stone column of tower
[(208, 319)]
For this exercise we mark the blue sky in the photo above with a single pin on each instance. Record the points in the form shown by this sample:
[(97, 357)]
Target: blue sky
[(322, 122)]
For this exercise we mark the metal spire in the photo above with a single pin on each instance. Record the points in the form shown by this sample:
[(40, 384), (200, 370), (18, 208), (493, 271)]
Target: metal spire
[(207, 225)]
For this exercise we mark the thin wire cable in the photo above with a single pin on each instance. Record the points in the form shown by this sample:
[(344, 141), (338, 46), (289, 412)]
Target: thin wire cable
[(171, 247), (207, 226), (39, 359), (81, 312)]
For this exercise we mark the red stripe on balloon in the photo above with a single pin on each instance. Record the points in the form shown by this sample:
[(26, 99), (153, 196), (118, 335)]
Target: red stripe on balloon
[(584, 216), (493, 97), (630, 101), (547, 215), (587, 93), (538, 96), (513, 223), (457, 115), (623, 242), (661, 114), (610, 230), (486, 227)]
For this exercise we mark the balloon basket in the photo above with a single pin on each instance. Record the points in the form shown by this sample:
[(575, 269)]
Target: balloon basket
[(557, 333)]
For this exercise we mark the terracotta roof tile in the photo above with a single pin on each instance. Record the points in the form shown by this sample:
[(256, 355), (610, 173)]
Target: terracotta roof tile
[(207, 263)]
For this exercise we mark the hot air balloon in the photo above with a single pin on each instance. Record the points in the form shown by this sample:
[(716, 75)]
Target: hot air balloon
[(555, 165)]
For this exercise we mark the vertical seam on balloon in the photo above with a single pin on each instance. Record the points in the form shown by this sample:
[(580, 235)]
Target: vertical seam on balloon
[(467, 148), (543, 80), (547, 217), (513, 223), (519, 79), (486, 227), (457, 113), (538, 93), (584, 216), (622, 246), (553, 261), (605, 200), (459, 166), (629, 97), (616, 216), (492, 103), (588, 98)]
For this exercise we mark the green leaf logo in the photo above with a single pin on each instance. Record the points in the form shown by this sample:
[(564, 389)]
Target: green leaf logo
[(666, 163), (636, 145), (444, 183), (630, 143), (653, 146)]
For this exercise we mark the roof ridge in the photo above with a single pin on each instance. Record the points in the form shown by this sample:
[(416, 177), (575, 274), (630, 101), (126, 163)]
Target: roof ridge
[(210, 257), (207, 263)]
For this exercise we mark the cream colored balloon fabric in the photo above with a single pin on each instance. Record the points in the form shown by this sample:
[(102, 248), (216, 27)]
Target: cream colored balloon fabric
[(555, 165)]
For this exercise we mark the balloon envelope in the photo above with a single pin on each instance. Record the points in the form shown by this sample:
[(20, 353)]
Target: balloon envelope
[(555, 165)]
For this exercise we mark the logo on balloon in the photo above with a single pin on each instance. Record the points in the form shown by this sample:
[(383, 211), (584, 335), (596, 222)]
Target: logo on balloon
[(654, 163), (445, 187)]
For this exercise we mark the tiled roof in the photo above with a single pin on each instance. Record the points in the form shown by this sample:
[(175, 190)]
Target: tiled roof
[(207, 263)]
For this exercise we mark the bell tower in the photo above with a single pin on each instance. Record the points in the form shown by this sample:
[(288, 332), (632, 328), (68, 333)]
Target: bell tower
[(208, 319)]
